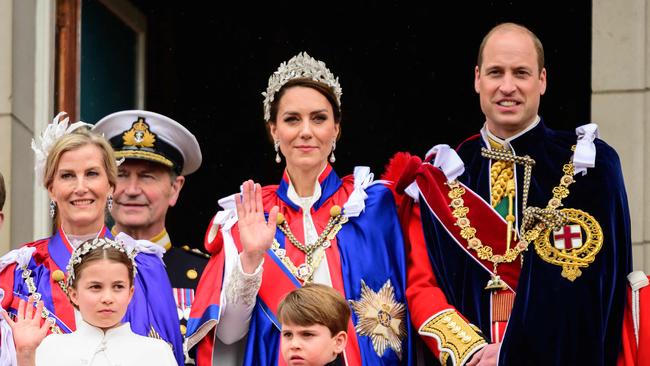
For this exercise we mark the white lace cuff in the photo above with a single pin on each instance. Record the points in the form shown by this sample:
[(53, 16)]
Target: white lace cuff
[(242, 288)]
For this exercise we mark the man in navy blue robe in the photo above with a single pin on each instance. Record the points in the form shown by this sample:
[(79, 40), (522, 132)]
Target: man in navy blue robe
[(519, 244)]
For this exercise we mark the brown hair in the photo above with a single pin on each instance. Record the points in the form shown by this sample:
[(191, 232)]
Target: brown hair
[(513, 27), (315, 304), (324, 89), (99, 253), (75, 140), (3, 192)]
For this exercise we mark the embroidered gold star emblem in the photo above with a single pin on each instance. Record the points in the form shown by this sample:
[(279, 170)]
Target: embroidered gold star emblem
[(381, 318)]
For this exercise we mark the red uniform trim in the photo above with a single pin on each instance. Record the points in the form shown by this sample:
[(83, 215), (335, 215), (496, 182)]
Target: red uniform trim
[(473, 137)]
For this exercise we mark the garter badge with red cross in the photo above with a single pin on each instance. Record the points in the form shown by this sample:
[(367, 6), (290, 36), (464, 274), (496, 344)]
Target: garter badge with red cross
[(568, 237)]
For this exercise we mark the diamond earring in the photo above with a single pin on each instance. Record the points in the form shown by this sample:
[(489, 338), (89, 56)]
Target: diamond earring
[(332, 157), (276, 146), (109, 202), (52, 209)]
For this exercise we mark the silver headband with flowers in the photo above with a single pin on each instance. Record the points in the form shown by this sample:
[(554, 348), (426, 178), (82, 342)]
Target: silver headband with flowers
[(90, 245), (299, 66)]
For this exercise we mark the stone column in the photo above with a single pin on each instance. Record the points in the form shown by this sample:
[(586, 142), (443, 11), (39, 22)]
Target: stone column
[(621, 104), (26, 46)]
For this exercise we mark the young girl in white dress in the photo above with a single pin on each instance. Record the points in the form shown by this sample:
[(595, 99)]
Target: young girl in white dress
[(100, 286)]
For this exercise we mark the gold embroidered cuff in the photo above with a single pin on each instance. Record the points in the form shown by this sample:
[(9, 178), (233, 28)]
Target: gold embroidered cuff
[(458, 340)]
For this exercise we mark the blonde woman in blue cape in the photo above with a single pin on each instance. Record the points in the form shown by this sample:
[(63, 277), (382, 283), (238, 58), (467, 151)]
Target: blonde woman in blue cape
[(100, 285), (78, 169)]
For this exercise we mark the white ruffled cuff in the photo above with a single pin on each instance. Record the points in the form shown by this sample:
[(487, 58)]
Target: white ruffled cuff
[(242, 288)]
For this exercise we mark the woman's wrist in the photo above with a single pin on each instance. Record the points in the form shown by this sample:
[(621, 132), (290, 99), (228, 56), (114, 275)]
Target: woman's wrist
[(251, 260), (26, 356)]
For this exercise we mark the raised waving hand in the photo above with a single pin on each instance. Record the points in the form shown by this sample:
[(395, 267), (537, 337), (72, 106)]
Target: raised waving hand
[(29, 330), (255, 233)]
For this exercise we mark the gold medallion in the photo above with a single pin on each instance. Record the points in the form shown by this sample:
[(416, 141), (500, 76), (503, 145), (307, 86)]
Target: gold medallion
[(572, 260)]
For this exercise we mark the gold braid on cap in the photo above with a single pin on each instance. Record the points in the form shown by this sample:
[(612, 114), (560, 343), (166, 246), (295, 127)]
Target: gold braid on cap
[(90, 245), (300, 66)]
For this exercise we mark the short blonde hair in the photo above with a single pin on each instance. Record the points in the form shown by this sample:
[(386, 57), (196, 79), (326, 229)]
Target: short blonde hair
[(315, 304), (75, 140)]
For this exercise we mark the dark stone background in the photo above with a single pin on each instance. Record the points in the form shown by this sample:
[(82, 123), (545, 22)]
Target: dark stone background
[(406, 70)]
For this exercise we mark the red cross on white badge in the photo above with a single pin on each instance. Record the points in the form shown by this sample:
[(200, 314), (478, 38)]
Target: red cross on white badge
[(568, 237)]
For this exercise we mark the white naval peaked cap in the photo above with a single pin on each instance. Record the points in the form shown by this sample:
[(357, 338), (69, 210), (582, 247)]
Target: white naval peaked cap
[(138, 134)]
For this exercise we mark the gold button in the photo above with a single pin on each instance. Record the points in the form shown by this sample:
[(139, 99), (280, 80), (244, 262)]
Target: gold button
[(58, 275), (192, 274), (183, 329), (186, 247)]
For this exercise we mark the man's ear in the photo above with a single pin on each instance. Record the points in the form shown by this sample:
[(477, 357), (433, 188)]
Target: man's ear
[(177, 185)]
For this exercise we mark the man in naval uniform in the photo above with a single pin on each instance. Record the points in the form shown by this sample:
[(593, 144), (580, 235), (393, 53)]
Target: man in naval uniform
[(522, 226), (158, 153)]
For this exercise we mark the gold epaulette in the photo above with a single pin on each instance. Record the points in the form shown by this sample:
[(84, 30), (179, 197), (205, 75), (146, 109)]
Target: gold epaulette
[(457, 338)]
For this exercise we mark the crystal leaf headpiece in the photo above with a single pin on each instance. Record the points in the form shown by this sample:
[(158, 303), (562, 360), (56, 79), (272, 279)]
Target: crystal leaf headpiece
[(90, 245), (299, 66), (54, 131)]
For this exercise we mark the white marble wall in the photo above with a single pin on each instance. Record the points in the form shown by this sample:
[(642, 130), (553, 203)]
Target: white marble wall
[(621, 103)]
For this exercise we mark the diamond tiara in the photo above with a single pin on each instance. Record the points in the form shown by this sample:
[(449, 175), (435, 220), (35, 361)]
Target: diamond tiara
[(299, 66), (91, 245)]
